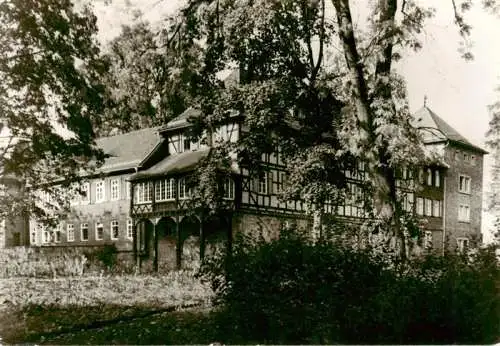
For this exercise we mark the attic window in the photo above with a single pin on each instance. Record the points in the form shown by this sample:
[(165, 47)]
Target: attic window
[(187, 144)]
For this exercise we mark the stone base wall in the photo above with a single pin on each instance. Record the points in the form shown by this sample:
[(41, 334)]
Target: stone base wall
[(62, 261), (265, 227)]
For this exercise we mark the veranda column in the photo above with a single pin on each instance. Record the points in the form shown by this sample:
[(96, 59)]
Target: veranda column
[(155, 235), (178, 250), (202, 240)]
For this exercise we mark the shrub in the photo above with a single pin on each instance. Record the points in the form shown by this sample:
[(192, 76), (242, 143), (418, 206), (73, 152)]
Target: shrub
[(292, 291), (33, 262), (107, 255)]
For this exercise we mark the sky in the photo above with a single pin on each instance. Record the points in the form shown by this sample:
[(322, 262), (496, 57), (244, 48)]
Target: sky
[(458, 91)]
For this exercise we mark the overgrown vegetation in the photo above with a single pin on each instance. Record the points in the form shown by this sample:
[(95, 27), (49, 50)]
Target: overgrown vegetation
[(293, 291), (33, 308)]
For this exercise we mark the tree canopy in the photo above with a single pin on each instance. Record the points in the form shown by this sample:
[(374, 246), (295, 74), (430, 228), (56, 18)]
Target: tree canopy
[(49, 56), (146, 86)]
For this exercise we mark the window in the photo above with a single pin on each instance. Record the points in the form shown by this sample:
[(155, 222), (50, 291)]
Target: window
[(129, 186), (165, 190), (228, 188), (115, 189), (464, 183), (183, 193), (428, 207), (85, 193), (281, 181), (462, 244), (457, 155), (473, 160), (33, 237), (46, 235), (114, 230), (84, 231), (57, 234), (421, 175), (263, 181), (99, 231), (404, 174), (70, 232), (437, 178), (429, 176), (143, 192), (437, 208), (99, 191), (420, 206), (427, 240), (463, 213), (130, 229), (408, 202)]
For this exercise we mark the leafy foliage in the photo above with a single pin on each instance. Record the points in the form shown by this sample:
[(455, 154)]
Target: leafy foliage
[(145, 84), (281, 92), (175, 288), (352, 296), (48, 58), (494, 144)]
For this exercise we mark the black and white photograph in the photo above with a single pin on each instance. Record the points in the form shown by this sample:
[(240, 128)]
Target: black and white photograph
[(221, 172)]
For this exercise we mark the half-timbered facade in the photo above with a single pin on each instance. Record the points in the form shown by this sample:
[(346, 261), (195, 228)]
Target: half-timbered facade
[(141, 201)]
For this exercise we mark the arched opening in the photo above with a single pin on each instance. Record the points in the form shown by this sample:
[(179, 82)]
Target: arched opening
[(217, 234), (189, 229), (145, 239), (167, 243)]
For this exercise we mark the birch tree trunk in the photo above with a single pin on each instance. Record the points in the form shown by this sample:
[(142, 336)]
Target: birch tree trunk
[(381, 174)]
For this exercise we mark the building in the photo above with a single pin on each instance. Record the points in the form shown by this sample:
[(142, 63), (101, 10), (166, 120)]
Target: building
[(153, 216), (460, 190), (14, 230), (101, 215), (448, 204)]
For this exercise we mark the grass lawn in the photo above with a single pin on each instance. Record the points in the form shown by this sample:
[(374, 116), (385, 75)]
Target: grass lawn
[(114, 309), (108, 325)]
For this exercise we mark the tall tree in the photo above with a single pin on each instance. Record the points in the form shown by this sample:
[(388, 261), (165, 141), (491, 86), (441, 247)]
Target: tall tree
[(291, 93), (280, 49), (494, 144), (145, 86), (48, 57)]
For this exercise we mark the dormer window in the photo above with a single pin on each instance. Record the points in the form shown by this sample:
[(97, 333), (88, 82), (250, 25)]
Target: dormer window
[(180, 143), (226, 133), (174, 144)]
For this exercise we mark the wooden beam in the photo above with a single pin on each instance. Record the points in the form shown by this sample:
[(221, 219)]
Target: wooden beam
[(155, 235), (134, 241), (202, 240), (178, 247)]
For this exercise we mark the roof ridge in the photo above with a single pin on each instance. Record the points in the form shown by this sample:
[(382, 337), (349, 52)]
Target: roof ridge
[(449, 132), (130, 132)]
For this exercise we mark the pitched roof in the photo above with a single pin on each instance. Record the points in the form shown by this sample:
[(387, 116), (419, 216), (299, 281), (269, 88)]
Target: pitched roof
[(435, 129), (129, 149), (176, 163), (181, 121)]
